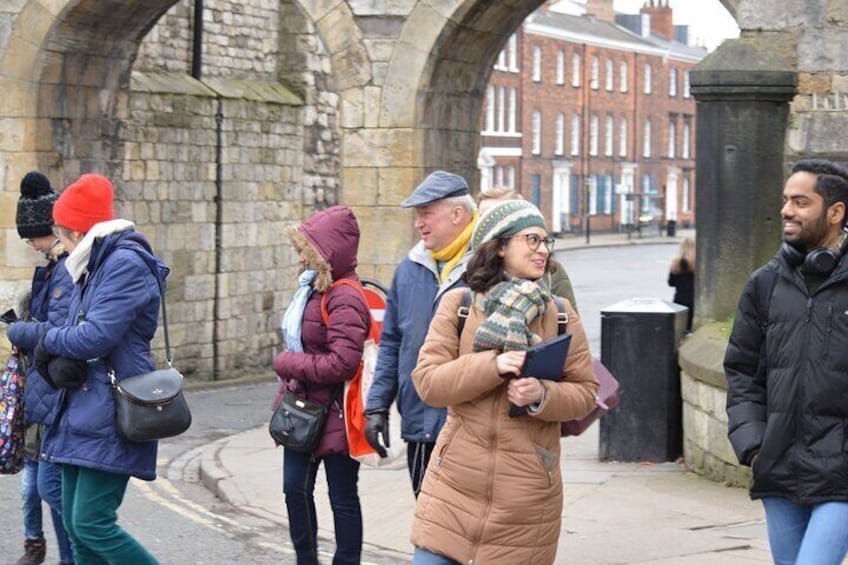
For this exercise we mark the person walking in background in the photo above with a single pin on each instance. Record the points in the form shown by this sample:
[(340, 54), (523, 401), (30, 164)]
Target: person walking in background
[(493, 491), (112, 317), (787, 381), (681, 276), (45, 307), (445, 215), (317, 361), (560, 283)]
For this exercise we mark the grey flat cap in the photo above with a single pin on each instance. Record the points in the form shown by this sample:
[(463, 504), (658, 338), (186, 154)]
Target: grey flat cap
[(437, 185)]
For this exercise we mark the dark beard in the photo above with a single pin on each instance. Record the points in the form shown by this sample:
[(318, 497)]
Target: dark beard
[(811, 235)]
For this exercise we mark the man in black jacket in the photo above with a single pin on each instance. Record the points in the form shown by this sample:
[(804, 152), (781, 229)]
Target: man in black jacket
[(787, 373)]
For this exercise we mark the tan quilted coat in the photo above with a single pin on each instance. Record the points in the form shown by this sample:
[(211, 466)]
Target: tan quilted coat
[(492, 493)]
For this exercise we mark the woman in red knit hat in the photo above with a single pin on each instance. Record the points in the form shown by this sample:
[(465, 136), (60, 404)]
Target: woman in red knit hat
[(112, 317)]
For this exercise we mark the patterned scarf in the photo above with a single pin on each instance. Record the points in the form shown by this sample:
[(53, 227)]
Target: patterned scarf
[(452, 254), (510, 307), (293, 319)]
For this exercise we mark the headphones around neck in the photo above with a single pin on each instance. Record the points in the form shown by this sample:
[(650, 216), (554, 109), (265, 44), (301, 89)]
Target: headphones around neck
[(820, 261)]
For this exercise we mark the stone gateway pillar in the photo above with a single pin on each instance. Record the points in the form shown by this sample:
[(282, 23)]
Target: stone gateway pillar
[(743, 96)]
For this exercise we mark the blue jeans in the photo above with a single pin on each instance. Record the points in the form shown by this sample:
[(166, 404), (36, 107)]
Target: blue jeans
[(815, 534), (31, 501), (424, 557), (50, 490), (299, 471)]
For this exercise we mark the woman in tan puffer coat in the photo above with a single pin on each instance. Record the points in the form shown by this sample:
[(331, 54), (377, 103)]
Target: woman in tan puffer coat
[(492, 493)]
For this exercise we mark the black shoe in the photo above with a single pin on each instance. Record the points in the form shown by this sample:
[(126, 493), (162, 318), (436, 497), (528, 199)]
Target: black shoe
[(34, 550)]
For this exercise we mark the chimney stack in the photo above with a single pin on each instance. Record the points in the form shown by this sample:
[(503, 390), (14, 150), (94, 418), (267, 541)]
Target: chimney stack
[(662, 23), (600, 10)]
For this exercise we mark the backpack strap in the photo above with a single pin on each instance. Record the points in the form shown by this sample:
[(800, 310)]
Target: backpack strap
[(562, 315), (372, 328), (463, 310), (765, 288)]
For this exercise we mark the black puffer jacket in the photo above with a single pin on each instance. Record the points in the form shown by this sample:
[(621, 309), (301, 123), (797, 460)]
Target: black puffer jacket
[(790, 405)]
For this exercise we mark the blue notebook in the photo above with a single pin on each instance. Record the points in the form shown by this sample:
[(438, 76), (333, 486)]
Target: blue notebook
[(545, 360)]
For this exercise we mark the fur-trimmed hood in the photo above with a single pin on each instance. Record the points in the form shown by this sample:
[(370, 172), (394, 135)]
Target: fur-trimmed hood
[(329, 241)]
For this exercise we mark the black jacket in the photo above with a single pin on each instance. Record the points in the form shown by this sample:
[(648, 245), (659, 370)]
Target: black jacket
[(787, 384)]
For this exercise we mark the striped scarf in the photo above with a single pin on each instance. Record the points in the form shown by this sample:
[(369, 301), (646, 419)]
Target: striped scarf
[(510, 307)]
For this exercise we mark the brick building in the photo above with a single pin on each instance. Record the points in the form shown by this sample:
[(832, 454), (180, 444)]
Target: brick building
[(588, 114)]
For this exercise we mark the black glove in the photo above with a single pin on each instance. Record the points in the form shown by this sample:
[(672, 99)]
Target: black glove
[(376, 424), (66, 373), (42, 359)]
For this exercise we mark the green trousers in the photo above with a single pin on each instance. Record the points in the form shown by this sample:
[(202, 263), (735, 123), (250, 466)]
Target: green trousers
[(90, 501)]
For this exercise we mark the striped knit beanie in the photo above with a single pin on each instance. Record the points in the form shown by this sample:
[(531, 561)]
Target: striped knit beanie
[(506, 219)]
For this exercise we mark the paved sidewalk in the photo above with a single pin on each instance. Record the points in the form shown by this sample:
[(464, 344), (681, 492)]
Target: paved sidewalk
[(614, 512)]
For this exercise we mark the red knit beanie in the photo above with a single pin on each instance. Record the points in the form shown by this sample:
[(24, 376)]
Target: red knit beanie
[(86, 202)]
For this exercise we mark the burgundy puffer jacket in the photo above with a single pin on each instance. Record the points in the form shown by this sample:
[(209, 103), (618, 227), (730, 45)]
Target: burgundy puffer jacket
[(332, 352)]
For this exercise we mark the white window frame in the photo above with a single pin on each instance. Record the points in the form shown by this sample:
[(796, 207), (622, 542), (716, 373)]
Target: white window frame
[(560, 134), (575, 134), (594, 132), (672, 82), (537, 132), (537, 63), (609, 135), (490, 108), (501, 121), (686, 205), (623, 76), (575, 70), (510, 177), (686, 92), (594, 80), (646, 77), (512, 120), (622, 137), (672, 137), (560, 71), (512, 53), (687, 134), (646, 139), (609, 78)]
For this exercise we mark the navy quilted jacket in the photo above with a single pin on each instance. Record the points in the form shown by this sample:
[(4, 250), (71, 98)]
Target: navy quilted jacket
[(51, 293), (111, 318)]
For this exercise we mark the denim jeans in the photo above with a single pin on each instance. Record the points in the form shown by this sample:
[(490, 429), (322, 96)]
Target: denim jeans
[(90, 501), (424, 557), (815, 534), (342, 472), (31, 501), (50, 490)]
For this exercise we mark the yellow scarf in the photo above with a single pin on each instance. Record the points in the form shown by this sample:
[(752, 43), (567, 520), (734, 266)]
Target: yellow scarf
[(452, 254)]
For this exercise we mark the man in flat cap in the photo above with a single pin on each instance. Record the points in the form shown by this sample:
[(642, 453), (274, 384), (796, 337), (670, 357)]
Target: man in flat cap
[(445, 216)]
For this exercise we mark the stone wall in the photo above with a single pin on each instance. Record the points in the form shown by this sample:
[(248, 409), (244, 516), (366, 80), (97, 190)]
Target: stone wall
[(172, 164), (704, 390)]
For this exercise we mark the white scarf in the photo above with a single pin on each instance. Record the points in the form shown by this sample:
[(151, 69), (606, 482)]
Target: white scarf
[(77, 261)]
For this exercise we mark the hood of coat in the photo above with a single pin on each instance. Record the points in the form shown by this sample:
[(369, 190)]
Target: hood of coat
[(330, 242)]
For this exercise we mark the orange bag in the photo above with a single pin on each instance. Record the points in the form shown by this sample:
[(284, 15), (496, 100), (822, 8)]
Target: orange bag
[(356, 389)]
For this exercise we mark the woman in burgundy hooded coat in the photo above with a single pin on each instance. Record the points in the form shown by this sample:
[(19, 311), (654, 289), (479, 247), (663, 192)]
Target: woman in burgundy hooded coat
[(317, 361)]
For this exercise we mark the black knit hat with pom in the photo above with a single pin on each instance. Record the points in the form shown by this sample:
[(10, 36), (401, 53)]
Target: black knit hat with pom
[(35, 206)]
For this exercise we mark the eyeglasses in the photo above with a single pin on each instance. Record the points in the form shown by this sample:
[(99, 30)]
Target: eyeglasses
[(534, 241)]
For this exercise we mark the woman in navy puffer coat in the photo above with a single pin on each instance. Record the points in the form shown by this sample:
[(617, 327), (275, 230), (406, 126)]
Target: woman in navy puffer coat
[(317, 361), (112, 317)]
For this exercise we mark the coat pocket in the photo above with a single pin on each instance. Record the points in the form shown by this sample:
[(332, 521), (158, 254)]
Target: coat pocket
[(549, 460), (91, 409)]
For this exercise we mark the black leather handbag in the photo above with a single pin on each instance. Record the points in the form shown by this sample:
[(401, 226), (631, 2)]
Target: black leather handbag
[(151, 405), (298, 423)]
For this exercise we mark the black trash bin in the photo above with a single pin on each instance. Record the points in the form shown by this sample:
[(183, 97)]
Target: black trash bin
[(639, 340), (671, 228)]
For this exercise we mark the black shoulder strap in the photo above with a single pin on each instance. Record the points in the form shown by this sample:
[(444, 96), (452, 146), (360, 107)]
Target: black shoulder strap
[(562, 315), (463, 310)]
